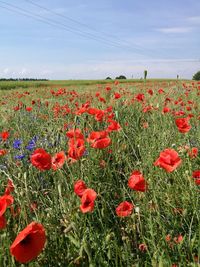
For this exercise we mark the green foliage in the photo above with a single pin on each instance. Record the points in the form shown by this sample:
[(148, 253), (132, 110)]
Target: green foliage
[(169, 207), (196, 76), (121, 77)]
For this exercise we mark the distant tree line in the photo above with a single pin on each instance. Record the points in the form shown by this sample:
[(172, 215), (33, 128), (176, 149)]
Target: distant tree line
[(22, 79), (121, 77)]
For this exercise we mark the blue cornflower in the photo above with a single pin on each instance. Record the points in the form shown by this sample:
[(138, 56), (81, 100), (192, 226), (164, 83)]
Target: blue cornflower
[(20, 157), (32, 143), (17, 144)]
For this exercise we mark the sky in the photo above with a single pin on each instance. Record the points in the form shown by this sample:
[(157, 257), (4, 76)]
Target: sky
[(93, 39)]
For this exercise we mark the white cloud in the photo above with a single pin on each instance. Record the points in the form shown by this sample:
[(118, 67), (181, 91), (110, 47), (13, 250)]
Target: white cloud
[(175, 30)]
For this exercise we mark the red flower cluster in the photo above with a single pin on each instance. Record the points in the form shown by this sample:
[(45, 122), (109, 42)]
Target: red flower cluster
[(196, 177), (87, 195), (43, 160), (99, 139), (76, 144), (183, 125)]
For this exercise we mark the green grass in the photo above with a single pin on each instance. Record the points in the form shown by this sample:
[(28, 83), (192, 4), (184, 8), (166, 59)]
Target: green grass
[(8, 85), (171, 205)]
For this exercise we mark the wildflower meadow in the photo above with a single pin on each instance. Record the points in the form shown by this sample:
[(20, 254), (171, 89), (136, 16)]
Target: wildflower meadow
[(100, 174)]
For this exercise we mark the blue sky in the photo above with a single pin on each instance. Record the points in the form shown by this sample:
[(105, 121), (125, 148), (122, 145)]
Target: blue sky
[(94, 39)]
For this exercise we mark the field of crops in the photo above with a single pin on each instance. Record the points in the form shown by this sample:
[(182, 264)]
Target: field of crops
[(100, 174)]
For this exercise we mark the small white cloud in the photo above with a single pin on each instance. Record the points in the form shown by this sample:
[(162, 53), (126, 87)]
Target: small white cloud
[(175, 30)]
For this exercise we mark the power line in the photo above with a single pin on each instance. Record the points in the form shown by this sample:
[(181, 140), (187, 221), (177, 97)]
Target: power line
[(63, 26), (82, 24), (52, 23)]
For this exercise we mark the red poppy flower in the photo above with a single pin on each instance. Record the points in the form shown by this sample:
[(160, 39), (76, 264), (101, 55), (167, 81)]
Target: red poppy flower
[(142, 247), (41, 159), (116, 82), (108, 88), (113, 126), (161, 91), (183, 125), (147, 109), (178, 239), (193, 153), (197, 181), (29, 109), (5, 201), (99, 116), (166, 110), (2, 222), (168, 160), (87, 200), (102, 99), (99, 139), (124, 209), (10, 187), (137, 182), (29, 243), (117, 95), (75, 133), (3, 206), (76, 148), (58, 160), (92, 111), (16, 108), (139, 97), (196, 176), (4, 135), (79, 188), (3, 152), (98, 113)]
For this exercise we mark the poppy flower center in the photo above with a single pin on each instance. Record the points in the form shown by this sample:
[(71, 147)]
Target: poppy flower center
[(26, 240)]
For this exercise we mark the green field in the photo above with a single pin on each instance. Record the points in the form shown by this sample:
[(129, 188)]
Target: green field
[(134, 121), (6, 85)]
